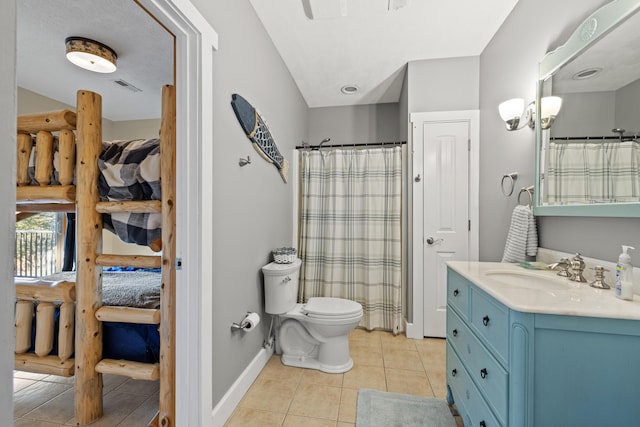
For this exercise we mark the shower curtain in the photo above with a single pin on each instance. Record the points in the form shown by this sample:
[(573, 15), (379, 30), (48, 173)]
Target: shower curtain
[(593, 172), (350, 230)]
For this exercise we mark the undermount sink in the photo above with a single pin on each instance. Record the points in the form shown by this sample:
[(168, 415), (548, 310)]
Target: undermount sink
[(528, 280)]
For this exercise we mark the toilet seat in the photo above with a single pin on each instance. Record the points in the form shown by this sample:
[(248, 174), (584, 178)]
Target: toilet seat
[(331, 308)]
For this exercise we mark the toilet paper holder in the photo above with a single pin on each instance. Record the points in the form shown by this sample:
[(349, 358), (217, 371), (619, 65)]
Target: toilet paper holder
[(246, 324)]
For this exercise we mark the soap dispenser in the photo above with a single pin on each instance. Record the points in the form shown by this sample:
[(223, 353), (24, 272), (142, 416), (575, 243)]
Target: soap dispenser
[(624, 275)]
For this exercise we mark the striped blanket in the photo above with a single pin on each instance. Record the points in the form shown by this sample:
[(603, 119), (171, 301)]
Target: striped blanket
[(130, 170)]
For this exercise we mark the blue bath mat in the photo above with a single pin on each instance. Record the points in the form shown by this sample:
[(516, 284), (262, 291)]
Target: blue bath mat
[(383, 409)]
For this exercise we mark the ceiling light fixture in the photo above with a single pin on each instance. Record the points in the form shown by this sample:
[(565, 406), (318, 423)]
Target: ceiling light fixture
[(91, 55), (349, 89)]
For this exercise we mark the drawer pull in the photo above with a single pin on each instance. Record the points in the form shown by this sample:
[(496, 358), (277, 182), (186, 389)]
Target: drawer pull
[(454, 332), (483, 424), (483, 373), (485, 320), (455, 292), (454, 372)]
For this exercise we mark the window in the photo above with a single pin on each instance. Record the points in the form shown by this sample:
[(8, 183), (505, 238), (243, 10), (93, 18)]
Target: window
[(39, 245)]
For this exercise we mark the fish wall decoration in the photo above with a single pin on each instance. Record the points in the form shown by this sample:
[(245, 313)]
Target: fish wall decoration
[(258, 132)]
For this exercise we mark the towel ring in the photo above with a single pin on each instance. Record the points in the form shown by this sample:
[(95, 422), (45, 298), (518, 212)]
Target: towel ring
[(529, 191), (511, 179)]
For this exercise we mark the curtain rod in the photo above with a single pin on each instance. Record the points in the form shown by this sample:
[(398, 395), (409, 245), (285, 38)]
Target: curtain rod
[(592, 138), (366, 144)]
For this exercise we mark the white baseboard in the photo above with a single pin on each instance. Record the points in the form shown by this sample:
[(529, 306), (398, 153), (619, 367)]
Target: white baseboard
[(413, 331), (232, 397)]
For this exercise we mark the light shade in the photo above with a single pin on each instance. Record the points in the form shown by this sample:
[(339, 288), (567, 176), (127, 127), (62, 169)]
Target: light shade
[(549, 109), (91, 55), (511, 111)]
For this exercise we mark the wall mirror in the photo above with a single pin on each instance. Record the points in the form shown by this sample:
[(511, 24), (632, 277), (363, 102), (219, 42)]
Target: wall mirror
[(588, 159)]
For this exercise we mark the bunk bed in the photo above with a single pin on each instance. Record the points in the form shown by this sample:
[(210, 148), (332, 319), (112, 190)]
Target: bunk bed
[(69, 314)]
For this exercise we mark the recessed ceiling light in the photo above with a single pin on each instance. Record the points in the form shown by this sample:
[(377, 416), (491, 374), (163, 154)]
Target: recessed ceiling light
[(587, 73), (349, 89)]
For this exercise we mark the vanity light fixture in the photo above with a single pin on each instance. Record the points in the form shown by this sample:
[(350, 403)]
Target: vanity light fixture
[(516, 115), (91, 55)]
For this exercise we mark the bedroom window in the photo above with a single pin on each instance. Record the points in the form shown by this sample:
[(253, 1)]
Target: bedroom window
[(39, 245)]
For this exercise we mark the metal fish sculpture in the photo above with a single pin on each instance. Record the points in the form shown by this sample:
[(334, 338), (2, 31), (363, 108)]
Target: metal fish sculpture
[(258, 132)]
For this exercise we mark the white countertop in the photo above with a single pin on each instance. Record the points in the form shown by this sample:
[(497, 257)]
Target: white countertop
[(570, 298)]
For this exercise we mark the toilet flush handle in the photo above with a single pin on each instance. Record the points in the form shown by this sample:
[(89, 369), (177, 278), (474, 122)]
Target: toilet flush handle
[(286, 279)]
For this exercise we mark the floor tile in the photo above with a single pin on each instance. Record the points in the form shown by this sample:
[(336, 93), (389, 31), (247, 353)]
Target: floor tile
[(402, 359), (365, 377), (397, 342), (312, 376), (367, 356), (297, 421), (269, 395), (250, 417), (317, 401), (20, 383), (59, 410), (408, 382), (348, 405)]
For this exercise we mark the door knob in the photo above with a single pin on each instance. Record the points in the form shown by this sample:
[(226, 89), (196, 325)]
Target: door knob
[(431, 240)]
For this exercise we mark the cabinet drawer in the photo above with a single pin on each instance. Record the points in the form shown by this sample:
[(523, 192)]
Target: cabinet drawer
[(482, 367), (458, 293), (491, 321), (466, 396)]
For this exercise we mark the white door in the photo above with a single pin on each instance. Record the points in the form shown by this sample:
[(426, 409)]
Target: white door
[(443, 197)]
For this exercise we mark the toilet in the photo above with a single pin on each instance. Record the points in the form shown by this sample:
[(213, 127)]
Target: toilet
[(314, 335)]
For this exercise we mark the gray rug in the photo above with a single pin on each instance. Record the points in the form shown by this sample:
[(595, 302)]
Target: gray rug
[(384, 409)]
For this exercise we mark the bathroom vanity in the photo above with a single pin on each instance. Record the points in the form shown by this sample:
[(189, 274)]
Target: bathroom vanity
[(529, 348)]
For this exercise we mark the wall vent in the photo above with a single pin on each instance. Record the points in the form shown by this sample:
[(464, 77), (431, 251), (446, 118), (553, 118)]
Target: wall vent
[(127, 85)]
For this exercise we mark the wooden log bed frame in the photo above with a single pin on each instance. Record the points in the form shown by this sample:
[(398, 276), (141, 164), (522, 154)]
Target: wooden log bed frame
[(80, 303)]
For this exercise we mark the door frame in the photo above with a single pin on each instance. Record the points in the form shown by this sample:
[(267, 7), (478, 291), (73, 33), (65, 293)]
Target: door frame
[(415, 328), (195, 43)]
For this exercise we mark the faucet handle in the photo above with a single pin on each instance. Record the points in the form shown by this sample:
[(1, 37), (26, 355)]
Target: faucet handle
[(599, 281)]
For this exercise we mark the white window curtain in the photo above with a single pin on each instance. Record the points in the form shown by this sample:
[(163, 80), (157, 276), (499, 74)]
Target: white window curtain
[(350, 230), (593, 172)]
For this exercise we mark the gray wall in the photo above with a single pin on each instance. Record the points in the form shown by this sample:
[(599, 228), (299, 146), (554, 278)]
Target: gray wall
[(586, 113), (508, 69), (443, 84), (252, 205), (356, 124), (627, 108), (7, 211)]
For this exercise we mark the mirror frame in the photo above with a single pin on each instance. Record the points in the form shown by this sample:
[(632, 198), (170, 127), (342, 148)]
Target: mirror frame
[(588, 32)]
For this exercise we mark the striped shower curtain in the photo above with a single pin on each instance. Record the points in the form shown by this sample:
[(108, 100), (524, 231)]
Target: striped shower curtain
[(350, 230), (593, 172)]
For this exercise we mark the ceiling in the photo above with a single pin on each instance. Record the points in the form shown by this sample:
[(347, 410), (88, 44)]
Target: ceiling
[(144, 49), (325, 44)]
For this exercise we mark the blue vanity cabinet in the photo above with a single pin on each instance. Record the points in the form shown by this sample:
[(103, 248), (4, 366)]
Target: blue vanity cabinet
[(509, 368)]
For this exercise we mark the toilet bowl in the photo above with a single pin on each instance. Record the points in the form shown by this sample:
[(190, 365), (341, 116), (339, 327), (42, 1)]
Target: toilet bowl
[(314, 335)]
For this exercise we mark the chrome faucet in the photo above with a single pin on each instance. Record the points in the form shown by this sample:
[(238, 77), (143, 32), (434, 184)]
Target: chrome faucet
[(563, 265)]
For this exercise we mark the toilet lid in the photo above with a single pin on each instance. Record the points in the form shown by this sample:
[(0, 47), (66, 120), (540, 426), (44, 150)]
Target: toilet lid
[(331, 307)]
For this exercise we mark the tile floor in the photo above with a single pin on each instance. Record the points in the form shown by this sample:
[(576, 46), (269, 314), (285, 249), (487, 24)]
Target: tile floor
[(285, 396), (281, 395), (47, 401)]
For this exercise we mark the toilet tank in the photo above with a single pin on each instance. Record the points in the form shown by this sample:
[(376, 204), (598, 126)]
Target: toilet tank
[(281, 286)]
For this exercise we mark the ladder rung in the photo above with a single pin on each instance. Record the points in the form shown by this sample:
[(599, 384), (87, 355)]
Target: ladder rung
[(141, 261), (135, 206), (148, 316), (126, 368)]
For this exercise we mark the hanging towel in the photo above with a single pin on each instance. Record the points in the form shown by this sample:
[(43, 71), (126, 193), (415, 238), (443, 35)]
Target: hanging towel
[(522, 239)]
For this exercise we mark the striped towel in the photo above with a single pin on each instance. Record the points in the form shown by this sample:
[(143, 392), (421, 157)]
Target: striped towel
[(522, 239)]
